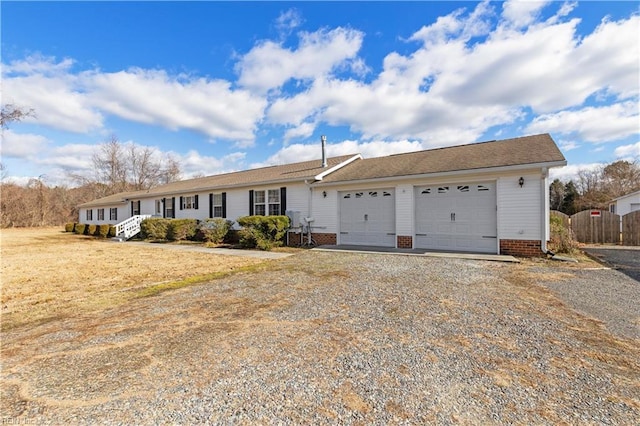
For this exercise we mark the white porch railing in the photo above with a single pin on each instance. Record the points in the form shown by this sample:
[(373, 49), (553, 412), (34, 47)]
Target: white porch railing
[(130, 227)]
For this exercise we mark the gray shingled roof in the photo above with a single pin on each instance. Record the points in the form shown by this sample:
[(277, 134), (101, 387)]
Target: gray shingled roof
[(264, 175), (537, 149)]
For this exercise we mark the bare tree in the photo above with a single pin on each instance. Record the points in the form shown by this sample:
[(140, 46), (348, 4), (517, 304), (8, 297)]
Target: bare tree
[(110, 165), (12, 113)]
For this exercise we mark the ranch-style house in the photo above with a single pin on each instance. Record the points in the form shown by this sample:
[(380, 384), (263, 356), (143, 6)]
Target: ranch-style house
[(488, 197)]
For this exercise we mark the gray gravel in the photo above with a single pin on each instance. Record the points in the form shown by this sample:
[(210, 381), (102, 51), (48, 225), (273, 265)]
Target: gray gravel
[(332, 338)]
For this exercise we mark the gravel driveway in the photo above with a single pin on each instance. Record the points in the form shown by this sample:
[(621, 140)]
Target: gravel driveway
[(332, 338)]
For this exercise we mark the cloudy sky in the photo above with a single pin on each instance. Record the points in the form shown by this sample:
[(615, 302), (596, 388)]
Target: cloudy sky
[(228, 86)]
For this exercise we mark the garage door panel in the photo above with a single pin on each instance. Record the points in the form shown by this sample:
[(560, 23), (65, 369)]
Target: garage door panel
[(368, 217), (456, 217)]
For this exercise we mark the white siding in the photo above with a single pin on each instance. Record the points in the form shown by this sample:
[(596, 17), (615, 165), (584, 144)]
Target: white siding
[(624, 204), (324, 210), (520, 213), (404, 210)]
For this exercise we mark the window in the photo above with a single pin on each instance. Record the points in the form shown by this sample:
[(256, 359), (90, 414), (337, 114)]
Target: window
[(135, 208), (258, 203), (189, 202), (158, 207), (267, 202), (113, 214), (100, 214), (274, 202), (90, 214), (217, 205), (169, 204)]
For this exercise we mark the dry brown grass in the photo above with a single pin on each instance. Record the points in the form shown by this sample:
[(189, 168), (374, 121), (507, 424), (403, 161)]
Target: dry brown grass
[(47, 273)]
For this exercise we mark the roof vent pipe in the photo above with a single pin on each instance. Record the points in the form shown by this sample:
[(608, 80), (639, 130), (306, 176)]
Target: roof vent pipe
[(323, 139)]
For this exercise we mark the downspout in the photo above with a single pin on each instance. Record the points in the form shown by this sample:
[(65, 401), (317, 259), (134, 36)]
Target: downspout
[(544, 190)]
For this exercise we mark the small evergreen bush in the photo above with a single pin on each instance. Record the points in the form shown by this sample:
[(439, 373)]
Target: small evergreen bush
[(154, 228), (182, 229), (213, 230), (90, 229), (262, 232), (69, 227), (79, 229), (102, 231), (112, 231)]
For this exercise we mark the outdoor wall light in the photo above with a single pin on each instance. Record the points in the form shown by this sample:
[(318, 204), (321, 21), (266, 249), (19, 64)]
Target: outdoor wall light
[(521, 181), (324, 194)]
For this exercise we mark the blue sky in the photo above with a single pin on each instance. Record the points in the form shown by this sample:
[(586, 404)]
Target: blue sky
[(224, 86)]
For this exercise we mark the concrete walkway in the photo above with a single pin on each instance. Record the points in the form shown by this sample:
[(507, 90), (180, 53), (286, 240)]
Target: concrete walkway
[(419, 252)]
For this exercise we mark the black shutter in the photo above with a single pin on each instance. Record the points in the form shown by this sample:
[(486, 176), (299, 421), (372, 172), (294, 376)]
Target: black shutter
[(164, 207), (224, 205), (132, 207), (251, 202), (283, 200), (173, 207), (210, 205), (139, 208), (115, 214), (195, 202), (180, 203)]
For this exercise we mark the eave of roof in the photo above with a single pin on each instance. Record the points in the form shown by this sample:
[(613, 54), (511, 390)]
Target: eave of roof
[(507, 154), (294, 172)]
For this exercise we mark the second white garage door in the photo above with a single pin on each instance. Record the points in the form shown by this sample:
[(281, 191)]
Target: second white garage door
[(458, 217), (368, 217)]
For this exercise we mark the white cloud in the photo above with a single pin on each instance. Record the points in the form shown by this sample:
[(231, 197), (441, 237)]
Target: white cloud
[(210, 107), (631, 151), (570, 171), (52, 91), (305, 152), (75, 102), (520, 13), (288, 21), (269, 65), (22, 145), (592, 124)]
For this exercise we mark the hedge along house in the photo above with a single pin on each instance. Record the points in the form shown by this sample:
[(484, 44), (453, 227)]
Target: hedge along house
[(490, 197)]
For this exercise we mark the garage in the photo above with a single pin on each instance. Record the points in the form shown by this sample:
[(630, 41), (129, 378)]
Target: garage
[(456, 217), (368, 217)]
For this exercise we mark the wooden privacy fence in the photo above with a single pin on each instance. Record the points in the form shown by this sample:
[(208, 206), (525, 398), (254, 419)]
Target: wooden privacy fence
[(631, 229), (603, 227), (596, 227)]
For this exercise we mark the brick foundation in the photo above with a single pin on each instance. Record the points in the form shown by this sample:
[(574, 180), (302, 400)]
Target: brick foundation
[(319, 237), (405, 241), (323, 238), (521, 248)]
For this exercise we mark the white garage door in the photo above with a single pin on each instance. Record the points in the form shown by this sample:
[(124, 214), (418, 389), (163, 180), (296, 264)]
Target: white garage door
[(368, 217), (458, 217)]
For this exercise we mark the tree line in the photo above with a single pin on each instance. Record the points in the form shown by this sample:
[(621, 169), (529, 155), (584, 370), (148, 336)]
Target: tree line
[(595, 188), (117, 167)]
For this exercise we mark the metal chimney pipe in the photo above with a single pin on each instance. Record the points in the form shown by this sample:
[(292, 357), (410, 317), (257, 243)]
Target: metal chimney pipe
[(323, 139)]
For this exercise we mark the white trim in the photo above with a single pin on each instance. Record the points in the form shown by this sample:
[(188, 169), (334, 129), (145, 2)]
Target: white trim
[(487, 170), (338, 166)]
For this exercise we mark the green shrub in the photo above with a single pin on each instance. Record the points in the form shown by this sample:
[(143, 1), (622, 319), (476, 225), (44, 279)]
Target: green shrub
[(69, 227), (182, 229), (262, 232), (91, 230), (102, 231), (155, 228), (562, 239), (79, 229), (112, 231), (214, 230)]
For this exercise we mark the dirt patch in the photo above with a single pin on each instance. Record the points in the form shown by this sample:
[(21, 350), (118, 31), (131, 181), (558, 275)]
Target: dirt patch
[(47, 273)]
